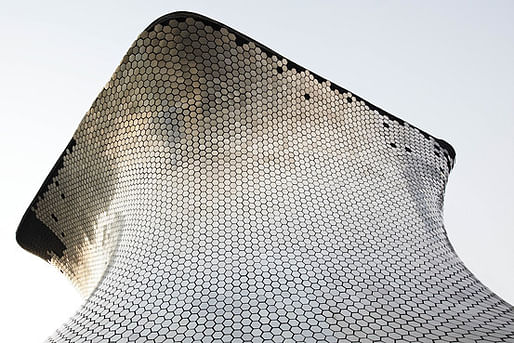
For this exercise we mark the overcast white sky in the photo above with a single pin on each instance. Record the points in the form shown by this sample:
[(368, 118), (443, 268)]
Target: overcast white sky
[(445, 67)]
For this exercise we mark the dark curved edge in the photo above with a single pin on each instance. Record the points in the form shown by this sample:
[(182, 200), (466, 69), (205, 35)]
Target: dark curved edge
[(449, 151), (32, 234)]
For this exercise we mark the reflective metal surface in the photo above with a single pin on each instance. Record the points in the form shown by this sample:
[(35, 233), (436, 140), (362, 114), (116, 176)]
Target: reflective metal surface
[(218, 192)]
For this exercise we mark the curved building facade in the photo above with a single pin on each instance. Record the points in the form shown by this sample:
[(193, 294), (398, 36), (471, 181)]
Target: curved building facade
[(218, 192)]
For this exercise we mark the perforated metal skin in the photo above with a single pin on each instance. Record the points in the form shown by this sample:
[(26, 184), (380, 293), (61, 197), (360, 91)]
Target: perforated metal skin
[(218, 192)]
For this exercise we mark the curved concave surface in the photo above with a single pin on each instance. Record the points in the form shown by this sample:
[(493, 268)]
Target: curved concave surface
[(218, 192)]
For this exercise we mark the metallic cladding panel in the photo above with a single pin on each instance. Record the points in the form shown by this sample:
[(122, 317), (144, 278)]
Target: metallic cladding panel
[(218, 192)]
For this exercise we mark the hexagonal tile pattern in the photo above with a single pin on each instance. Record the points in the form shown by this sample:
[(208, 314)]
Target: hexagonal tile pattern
[(218, 192)]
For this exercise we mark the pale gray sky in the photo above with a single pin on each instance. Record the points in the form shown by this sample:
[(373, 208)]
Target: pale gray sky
[(445, 67)]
